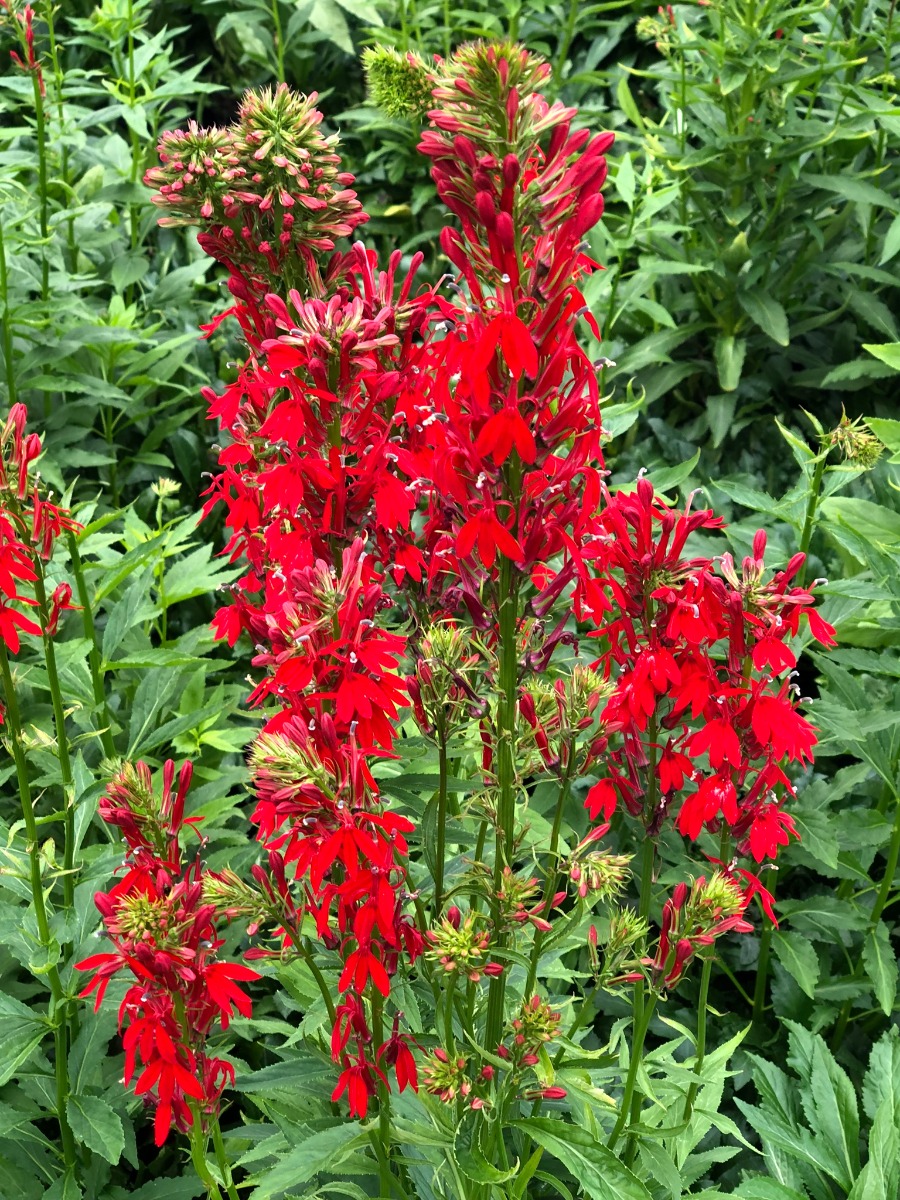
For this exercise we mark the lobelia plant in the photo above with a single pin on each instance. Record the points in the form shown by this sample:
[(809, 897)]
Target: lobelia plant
[(464, 637)]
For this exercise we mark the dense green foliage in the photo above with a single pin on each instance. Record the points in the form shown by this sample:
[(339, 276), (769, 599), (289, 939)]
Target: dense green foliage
[(751, 240)]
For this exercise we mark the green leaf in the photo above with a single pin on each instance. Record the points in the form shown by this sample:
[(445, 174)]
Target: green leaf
[(855, 190), (887, 430), (798, 957), (627, 103), (322, 1150), (625, 180), (767, 1189), (668, 478), (127, 269), (882, 1080), (327, 18), (767, 313), (891, 242), (874, 312), (880, 961), (96, 1126), (23, 1032), (601, 1174), (874, 522), (720, 416), (473, 1164), (888, 353), (729, 355)]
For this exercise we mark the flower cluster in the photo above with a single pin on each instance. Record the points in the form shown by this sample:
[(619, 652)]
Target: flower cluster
[(165, 936), (29, 527), (268, 189), (699, 659), (416, 476), (24, 27), (692, 919)]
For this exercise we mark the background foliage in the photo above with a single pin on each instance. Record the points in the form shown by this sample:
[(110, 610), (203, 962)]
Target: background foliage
[(750, 243)]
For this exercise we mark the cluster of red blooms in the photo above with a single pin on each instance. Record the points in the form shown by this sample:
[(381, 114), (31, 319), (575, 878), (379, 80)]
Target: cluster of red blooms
[(164, 935), (449, 450), (29, 527), (25, 28), (690, 647), (319, 467)]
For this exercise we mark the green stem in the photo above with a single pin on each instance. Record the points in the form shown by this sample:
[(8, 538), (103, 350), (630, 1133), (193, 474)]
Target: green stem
[(629, 1096), (198, 1158), (62, 738), (278, 39), (41, 127), (95, 659), (552, 873), (762, 967), (812, 505), (506, 772), (222, 1160), (13, 722), (640, 1009), (59, 77), (384, 1100), (881, 901), (137, 155), (701, 1037), (441, 846), (7, 324), (566, 40)]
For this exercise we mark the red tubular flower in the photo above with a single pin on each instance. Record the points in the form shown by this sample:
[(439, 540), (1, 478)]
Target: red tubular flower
[(163, 933)]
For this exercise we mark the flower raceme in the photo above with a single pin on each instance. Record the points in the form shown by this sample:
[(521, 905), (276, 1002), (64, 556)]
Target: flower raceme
[(403, 465), (165, 936), (29, 528)]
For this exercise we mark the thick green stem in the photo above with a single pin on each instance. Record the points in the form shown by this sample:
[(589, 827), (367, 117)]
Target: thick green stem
[(552, 873), (59, 1013), (641, 1011), (566, 39), (507, 617), (441, 840), (95, 658), (59, 77), (278, 38), (222, 1160), (629, 1095), (812, 504), (762, 968), (7, 324), (703, 1003), (62, 738), (198, 1158), (41, 127), (384, 1099)]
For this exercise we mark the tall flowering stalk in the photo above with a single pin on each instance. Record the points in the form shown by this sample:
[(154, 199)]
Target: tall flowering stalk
[(414, 483), (164, 932), (30, 525)]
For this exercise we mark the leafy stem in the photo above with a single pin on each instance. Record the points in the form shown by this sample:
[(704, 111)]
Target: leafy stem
[(60, 1009)]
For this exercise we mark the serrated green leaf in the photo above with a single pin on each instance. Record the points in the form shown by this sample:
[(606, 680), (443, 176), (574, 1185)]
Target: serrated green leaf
[(729, 354), (798, 957), (23, 1031), (858, 191), (601, 1174), (322, 1150), (891, 244), (624, 181), (880, 961), (767, 313), (889, 353), (96, 1125)]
